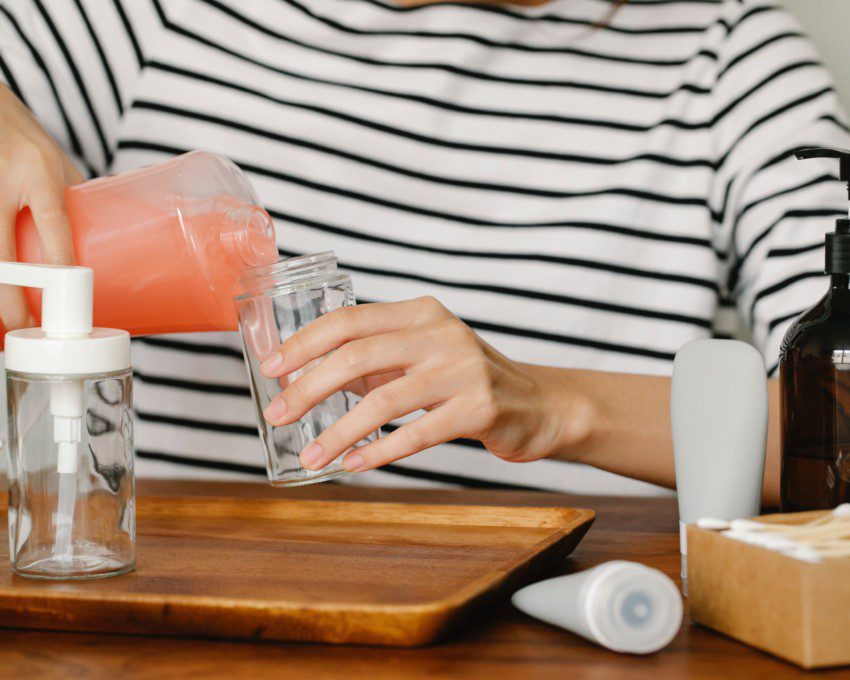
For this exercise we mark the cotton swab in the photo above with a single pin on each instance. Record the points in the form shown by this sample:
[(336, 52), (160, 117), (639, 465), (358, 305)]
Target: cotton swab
[(825, 537)]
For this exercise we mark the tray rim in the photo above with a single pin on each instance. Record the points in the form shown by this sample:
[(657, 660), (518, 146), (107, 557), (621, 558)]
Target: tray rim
[(554, 516), (146, 502)]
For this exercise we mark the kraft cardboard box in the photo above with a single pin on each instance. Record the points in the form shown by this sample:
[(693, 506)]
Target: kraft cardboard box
[(795, 610)]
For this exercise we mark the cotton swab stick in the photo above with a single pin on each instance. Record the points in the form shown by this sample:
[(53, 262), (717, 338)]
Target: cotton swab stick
[(713, 524), (827, 536)]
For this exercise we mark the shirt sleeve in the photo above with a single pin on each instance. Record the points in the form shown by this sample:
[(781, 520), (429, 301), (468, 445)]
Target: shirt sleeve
[(772, 96), (74, 64)]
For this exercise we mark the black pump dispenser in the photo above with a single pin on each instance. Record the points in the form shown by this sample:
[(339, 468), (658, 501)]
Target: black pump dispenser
[(837, 242), (814, 379)]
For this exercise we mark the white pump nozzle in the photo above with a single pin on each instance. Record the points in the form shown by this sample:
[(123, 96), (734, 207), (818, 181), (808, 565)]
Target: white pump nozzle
[(66, 303)]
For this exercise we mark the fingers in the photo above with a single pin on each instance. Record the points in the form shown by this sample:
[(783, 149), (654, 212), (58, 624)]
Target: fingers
[(393, 400), (356, 359), (46, 200), (14, 311), (71, 174), (390, 346), (332, 330), (433, 428), (33, 174)]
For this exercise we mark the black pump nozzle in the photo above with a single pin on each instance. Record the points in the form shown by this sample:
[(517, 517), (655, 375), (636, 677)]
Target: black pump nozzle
[(838, 242), (843, 156)]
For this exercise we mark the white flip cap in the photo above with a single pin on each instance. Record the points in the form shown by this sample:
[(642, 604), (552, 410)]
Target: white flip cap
[(66, 343)]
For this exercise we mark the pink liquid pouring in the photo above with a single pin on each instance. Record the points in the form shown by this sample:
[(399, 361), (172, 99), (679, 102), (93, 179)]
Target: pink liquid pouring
[(166, 243)]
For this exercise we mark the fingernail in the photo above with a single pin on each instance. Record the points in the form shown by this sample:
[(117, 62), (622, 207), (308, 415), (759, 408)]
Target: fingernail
[(275, 411), (310, 456), (271, 366), (353, 462)]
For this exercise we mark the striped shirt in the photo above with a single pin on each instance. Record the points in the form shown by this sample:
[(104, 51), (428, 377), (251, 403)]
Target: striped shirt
[(581, 195)]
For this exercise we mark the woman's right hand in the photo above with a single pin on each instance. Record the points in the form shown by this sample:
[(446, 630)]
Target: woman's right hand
[(33, 173)]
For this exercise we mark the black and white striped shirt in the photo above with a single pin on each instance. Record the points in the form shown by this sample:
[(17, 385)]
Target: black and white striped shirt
[(581, 195)]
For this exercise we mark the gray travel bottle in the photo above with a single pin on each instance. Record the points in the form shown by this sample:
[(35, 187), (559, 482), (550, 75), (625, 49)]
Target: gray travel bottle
[(718, 415)]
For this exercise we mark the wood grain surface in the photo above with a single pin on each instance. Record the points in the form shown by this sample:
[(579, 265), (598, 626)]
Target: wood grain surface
[(502, 643), (308, 570)]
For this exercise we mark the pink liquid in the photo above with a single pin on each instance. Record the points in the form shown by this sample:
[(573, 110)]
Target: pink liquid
[(159, 270)]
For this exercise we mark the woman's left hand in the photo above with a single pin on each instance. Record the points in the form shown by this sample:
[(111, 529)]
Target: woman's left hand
[(408, 356)]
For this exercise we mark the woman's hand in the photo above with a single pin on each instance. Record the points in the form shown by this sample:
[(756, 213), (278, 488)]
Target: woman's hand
[(33, 173), (409, 356)]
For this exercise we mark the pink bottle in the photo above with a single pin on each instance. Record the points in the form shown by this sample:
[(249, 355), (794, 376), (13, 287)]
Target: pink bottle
[(166, 244)]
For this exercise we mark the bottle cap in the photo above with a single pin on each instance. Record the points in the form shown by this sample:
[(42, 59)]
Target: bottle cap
[(632, 608)]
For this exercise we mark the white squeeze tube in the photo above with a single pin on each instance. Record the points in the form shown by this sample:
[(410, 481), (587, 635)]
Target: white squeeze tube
[(718, 416), (624, 606), (66, 315)]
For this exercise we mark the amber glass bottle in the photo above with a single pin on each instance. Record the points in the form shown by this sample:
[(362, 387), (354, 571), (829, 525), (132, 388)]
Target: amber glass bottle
[(814, 374), (815, 382)]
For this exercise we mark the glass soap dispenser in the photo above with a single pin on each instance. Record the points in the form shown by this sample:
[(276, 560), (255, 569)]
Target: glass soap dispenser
[(814, 375), (70, 439)]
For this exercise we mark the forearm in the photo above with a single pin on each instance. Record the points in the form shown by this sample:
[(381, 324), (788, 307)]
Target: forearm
[(624, 424)]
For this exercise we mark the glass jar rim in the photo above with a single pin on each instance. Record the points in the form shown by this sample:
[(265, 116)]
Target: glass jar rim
[(290, 273)]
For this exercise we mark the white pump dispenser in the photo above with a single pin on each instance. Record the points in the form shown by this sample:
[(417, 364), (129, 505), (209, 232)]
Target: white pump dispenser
[(66, 343), (64, 347), (66, 314)]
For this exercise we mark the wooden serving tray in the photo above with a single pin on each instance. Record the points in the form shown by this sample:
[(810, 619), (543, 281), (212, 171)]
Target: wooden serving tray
[(328, 571)]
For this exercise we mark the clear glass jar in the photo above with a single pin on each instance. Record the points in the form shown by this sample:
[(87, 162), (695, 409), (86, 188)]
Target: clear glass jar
[(71, 509), (276, 301)]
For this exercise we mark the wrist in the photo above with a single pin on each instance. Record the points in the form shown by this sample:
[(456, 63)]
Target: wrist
[(568, 413)]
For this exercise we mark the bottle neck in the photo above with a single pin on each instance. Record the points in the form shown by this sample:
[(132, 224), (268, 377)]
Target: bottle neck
[(247, 234)]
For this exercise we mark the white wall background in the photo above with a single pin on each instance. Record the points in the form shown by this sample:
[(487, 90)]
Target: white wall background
[(828, 24)]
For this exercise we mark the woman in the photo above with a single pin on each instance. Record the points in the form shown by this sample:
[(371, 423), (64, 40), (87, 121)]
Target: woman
[(584, 184)]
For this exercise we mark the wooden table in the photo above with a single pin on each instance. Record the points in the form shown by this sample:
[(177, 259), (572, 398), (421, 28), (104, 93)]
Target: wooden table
[(504, 644)]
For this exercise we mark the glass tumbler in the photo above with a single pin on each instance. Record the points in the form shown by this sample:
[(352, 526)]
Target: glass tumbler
[(71, 484), (276, 301)]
